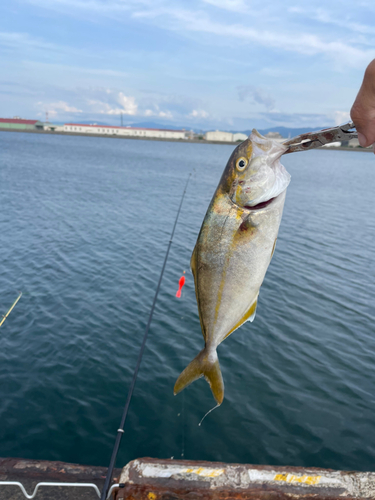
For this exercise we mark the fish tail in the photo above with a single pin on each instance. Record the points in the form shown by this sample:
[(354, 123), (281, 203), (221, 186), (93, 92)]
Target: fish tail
[(205, 364)]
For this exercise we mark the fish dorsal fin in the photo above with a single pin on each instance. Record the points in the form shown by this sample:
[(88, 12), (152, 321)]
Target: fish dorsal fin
[(248, 316), (193, 261)]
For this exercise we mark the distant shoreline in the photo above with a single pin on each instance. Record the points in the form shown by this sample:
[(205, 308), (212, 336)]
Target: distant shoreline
[(190, 141)]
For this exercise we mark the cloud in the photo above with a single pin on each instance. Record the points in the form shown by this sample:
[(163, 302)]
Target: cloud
[(94, 6), (185, 58), (298, 119), (341, 117), (15, 40), (127, 104), (326, 17), (93, 101), (165, 114), (113, 103), (158, 112), (274, 27), (302, 42), (257, 95), (198, 113), (233, 5), (26, 44), (50, 67), (56, 108), (169, 105)]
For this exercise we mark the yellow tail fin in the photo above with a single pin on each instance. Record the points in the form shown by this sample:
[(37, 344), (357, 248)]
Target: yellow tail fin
[(205, 364)]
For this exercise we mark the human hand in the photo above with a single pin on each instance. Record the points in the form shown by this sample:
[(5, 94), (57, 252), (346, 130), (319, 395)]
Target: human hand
[(363, 109)]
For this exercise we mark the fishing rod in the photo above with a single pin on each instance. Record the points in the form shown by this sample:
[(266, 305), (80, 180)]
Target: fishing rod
[(120, 430), (11, 308)]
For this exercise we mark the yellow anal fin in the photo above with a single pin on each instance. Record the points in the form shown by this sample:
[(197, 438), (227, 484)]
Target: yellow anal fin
[(273, 248), (248, 316)]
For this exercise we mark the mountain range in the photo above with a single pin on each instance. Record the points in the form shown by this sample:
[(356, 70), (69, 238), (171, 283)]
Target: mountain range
[(284, 131)]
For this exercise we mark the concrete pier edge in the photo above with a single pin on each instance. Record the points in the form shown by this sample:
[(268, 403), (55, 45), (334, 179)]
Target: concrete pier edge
[(168, 479)]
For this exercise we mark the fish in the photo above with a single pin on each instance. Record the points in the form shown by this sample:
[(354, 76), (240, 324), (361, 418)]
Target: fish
[(234, 248)]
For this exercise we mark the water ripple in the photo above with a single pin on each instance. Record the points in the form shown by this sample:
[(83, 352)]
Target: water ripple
[(85, 225)]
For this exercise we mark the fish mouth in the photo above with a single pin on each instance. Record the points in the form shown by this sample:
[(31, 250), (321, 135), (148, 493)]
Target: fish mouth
[(262, 204)]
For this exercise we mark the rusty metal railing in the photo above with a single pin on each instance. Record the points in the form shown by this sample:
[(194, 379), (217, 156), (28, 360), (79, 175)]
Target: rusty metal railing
[(69, 485)]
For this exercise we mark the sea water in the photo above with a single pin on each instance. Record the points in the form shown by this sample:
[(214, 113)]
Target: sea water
[(85, 224)]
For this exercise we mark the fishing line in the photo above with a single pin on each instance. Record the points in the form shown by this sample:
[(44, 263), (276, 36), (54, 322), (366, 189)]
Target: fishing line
[(120, 430), (209, 411), (183, 427), (183, 412)]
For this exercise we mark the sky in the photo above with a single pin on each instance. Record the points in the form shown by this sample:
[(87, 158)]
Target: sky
[(201, 64)]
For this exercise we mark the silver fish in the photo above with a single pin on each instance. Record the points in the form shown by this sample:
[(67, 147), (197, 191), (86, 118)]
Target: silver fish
[(234, 248)]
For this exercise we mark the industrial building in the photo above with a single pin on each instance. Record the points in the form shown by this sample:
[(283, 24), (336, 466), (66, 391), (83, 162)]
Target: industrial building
[(220, 136), (79, 128), (239, 137), (20, 124), (51, 127), (217, 135)]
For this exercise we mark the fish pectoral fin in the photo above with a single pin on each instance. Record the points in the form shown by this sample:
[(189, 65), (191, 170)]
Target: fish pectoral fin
[(193, 264), (206, 365), (248, 316)]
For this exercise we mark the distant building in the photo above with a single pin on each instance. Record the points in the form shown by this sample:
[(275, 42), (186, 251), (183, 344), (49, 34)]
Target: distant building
[(21, 124), (52, 127), (274, 135), (217, 135), (354, 143), (239, 137), (79, 128)]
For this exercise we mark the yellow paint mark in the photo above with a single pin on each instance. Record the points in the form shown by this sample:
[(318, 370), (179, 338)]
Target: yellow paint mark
[(291, 478), (151, 496), (205, 472), (245, 317)]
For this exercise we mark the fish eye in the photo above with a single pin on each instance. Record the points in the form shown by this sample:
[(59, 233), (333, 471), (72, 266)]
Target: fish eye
[(241, 163)]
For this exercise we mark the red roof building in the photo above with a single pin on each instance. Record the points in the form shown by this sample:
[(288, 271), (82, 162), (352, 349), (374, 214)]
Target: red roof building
[(126, 128), (20, 124)]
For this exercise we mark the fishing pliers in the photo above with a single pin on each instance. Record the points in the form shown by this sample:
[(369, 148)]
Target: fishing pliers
[(319, 138)]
